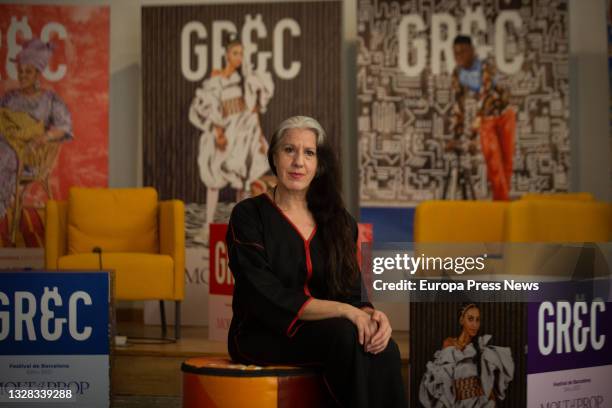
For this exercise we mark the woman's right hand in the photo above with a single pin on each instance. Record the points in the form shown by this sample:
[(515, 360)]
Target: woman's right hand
[(366, 327)]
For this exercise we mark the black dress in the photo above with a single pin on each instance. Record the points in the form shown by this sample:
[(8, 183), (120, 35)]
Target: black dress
[(277, 272)]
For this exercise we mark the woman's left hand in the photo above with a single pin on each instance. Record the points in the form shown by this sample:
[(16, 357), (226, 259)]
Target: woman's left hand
[(379, 341)]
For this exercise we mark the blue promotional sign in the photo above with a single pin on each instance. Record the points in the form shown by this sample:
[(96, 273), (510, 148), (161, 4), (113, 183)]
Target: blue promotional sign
[(54, 313), (54, 337)]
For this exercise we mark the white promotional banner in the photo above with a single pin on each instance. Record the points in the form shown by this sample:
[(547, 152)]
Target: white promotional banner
[(580, 388)]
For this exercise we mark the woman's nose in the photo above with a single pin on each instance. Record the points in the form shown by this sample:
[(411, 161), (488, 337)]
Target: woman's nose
[(298, 159)]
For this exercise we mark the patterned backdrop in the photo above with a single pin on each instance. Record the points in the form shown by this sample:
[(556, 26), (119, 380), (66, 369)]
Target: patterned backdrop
[(405, 101)]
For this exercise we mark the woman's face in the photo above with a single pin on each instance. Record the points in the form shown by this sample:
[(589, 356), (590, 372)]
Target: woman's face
[(27, 75), (234, 55), (471, 321), (295, 159)]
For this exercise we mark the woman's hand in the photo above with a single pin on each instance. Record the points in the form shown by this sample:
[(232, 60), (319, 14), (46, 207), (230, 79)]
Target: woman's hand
[(50, 135), (362, 321), (380, 339)]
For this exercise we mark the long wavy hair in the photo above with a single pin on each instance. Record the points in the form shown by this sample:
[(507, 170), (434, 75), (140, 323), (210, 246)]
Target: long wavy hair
[(463, 308), (325, 202)]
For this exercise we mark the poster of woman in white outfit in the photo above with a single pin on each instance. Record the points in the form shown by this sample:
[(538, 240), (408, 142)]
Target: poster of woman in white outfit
[(232, 149), (468, 372)]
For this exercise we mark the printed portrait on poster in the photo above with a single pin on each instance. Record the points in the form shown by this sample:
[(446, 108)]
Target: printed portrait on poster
[(463, 102), (233, 148), (34, 122), (469, 355), (468, 370), (493, 122), (53, 111)]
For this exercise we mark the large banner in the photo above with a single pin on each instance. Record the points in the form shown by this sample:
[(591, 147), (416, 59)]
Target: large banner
[(461, 102), (53, 111), (217, 80)]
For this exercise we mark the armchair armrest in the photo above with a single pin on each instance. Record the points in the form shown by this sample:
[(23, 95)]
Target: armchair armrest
[(55, 232), (172, 240)]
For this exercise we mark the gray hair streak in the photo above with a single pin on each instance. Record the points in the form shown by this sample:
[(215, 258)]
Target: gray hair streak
[(299, 122)]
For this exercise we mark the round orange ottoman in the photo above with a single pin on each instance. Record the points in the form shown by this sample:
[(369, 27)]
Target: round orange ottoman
[(217, 382)]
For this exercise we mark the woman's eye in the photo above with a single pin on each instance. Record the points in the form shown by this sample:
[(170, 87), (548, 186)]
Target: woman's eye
[(288, 149), (310, 153)]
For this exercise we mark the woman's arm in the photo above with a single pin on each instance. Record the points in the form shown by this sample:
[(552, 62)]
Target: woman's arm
[(372, 325), (60, 122), (318, 309), (54, 135)]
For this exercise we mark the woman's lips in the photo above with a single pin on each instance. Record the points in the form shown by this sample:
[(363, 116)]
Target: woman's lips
[(296, 176)]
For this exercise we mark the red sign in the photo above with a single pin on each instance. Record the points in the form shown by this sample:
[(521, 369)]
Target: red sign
[(221, 279)]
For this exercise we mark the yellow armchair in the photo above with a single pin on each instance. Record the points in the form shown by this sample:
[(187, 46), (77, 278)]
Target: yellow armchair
[(446, 221), (558, 221), (126, 230)]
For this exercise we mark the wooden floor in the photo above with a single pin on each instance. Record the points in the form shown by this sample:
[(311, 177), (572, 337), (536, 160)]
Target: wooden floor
[(145, 368)]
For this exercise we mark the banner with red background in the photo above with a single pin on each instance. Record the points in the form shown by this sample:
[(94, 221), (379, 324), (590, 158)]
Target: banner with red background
[(77, 74)]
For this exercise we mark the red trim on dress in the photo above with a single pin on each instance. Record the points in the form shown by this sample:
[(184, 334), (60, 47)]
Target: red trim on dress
[(297, 317), (308, 260), (291, 222), (236, 240)]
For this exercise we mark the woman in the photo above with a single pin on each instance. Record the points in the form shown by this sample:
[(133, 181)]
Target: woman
[(467, 372), (33, 121), (298, 293), (232, 146)]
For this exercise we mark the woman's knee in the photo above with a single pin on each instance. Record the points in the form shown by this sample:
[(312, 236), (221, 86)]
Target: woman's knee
[(342, 332), (392, 352)]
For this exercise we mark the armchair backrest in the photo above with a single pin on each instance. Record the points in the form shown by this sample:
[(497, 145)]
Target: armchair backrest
[(558, 221), (581, 196), (116, 220), (446, 221)]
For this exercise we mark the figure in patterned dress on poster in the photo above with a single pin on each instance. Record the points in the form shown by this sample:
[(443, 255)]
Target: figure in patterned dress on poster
[(34, 122), (233, 148)]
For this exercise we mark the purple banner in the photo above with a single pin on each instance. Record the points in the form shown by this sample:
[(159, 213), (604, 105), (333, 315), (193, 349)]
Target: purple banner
[(568, 335)]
